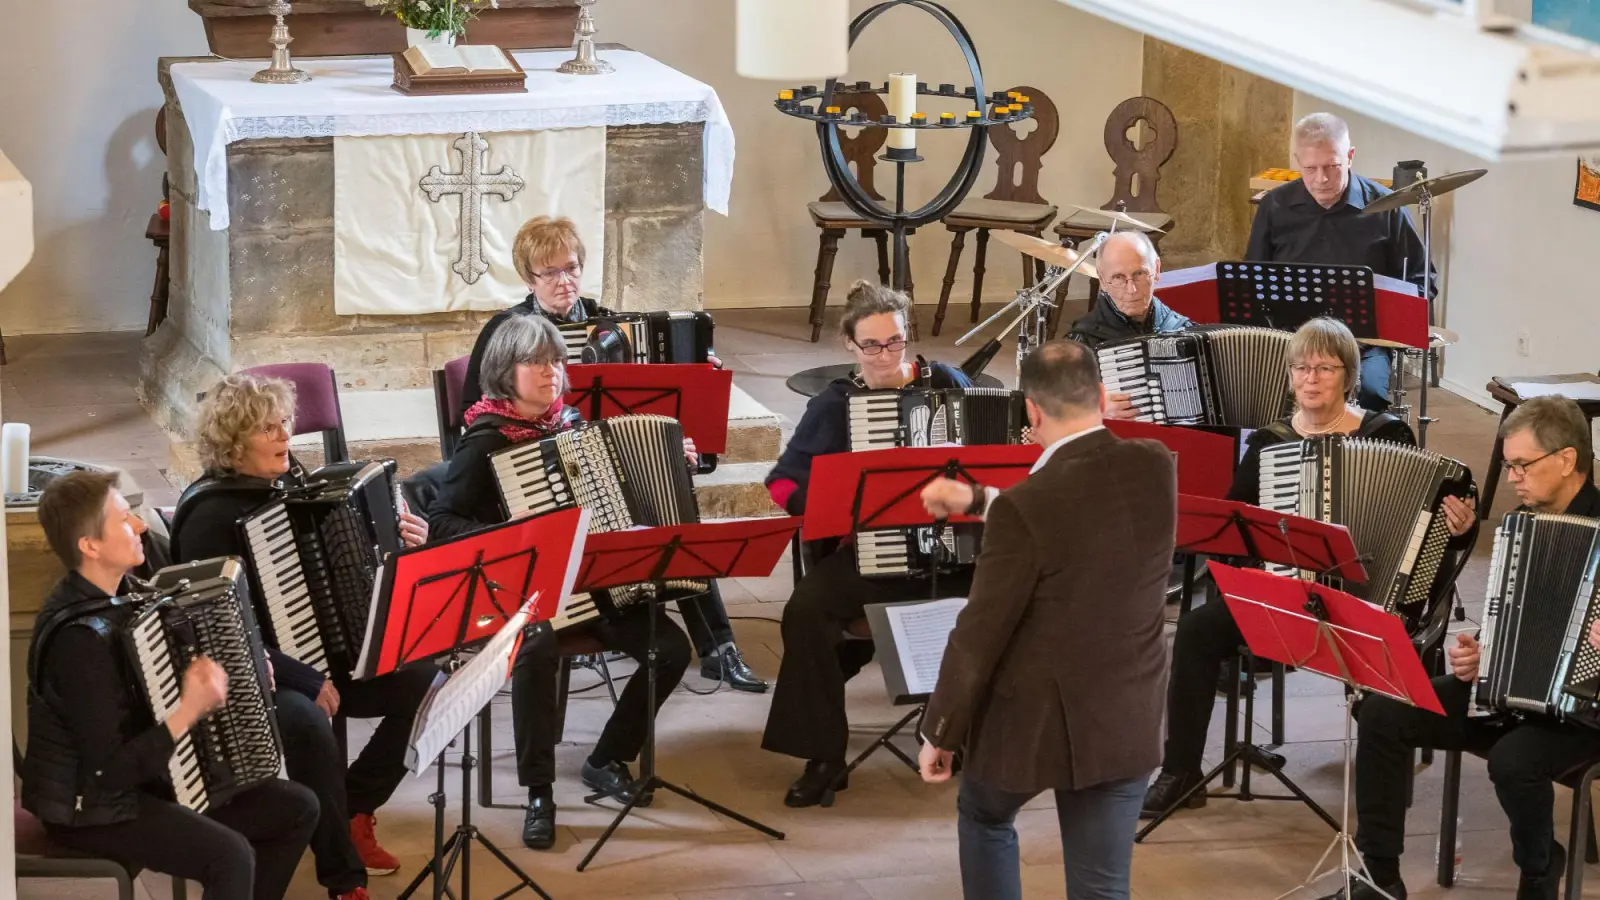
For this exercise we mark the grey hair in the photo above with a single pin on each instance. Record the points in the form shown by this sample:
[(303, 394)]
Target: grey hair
[(1321, 128), (1141, 243), (1555, 423), (520, 340)]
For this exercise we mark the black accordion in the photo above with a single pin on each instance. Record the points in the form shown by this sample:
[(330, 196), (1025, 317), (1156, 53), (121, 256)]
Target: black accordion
[(200, 609), (653, 337), (1390, 496), (929, 417), (314, 554), (627, 471), (1535, 655), (1228, 375)]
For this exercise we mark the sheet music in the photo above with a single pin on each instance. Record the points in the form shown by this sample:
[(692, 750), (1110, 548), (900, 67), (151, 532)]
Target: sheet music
[(921, 633), (453, 700), (1572, 390)]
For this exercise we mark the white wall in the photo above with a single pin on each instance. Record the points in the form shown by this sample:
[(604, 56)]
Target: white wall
[(1522, 258), (84, 135)]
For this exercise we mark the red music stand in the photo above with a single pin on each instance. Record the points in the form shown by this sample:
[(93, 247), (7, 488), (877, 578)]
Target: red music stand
[(696, 394), (1206, 459), (1230, 528), (747, 548), (444, 598)]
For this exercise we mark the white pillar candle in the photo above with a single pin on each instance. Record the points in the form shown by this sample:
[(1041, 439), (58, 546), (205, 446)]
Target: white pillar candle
[(902, 104), (14, 458)]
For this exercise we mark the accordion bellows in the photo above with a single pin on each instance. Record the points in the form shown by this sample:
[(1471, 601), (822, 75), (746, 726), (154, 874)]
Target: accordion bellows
[(1232, 375), (1535, 655), (1390, 496)]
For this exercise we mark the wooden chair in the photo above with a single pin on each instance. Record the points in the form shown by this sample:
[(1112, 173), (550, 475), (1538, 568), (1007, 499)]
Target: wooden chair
[(159, 232), (1138, 172), (834, 217), (448, 384), (1013, 205), (1500, 388)]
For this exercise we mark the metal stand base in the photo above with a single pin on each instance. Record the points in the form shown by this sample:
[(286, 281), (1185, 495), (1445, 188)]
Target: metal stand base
[(884, 741)]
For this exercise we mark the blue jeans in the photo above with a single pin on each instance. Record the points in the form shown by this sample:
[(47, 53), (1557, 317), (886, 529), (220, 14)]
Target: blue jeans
[(1097, 826), (1374, 392)]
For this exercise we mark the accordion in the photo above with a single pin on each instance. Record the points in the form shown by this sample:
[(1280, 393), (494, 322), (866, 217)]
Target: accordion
[(627, 471), (314, 554), (653, 337), (1535, 655), (1390, 496), (1221, 375), (926, 417), (200, 609)]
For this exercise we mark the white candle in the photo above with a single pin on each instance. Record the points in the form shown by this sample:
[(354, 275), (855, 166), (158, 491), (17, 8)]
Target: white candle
[(14, 458), (902, 103)]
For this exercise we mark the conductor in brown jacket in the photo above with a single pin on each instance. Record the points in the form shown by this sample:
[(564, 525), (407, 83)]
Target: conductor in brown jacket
[(1055, 675)]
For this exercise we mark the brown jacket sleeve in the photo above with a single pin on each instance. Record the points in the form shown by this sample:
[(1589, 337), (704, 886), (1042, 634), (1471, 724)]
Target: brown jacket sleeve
[(1004, 584)]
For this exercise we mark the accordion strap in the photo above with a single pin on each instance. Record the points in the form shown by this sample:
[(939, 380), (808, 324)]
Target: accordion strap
[(228, 485)]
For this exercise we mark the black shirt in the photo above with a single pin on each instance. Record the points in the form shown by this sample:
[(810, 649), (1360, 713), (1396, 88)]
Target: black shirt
[(825, 428), (1247, 478), (1585, 503), (472, 390), (1290, 226), (1104, 323), (469, 495)]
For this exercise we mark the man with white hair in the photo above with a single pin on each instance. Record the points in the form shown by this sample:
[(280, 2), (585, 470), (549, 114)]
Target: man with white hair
[(1127, 305), (1321, 218)]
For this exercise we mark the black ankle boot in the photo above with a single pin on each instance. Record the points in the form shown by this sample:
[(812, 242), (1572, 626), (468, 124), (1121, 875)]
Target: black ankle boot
[(817, 785), (1166, 791), (539, 824)]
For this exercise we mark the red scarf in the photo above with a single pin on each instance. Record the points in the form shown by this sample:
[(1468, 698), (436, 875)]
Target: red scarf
[(516, 428)]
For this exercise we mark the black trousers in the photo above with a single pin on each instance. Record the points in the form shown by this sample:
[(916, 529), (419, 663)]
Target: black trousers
[(1525, 759), (707, 620), (807, 718), (313, 758), (535, 681), (247, 848), (1207, 638)]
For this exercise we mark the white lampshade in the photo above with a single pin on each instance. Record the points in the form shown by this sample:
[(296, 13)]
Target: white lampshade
[(793, 40)]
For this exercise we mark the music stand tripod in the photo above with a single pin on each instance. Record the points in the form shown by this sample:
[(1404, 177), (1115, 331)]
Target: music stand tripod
[(681, 552)]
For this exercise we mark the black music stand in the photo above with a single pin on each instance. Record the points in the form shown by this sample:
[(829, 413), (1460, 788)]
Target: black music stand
[(1287, 295), (653, 556), (1226, 528), (446, 599), (1339, 636)]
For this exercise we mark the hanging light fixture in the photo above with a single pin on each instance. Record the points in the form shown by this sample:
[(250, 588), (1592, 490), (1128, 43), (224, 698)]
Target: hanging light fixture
[(793, 40)]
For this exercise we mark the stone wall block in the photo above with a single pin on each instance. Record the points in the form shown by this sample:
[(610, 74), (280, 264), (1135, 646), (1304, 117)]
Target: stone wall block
[(180, 153), (612, 284), (362, 362), (280, 185), (443, 346), (654, 168), (283, 285), (662, 263)]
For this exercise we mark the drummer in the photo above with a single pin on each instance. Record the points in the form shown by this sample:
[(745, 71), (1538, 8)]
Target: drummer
[(1322, 218), (1127, 305)]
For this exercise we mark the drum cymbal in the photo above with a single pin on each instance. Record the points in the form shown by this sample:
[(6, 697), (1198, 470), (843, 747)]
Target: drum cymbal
[(1038, 248), (1434, 187), (1122, 217)]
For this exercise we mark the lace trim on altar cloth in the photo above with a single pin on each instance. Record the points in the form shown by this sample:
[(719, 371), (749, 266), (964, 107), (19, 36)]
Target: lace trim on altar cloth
[(257, 128)]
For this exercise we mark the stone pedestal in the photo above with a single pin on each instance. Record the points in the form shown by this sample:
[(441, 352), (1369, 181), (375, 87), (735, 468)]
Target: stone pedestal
[(1231, 125), (261, 291)]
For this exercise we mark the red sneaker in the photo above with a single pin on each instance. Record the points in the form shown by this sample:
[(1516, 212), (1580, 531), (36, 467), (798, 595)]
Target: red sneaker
[(359, 893), (377, 860)]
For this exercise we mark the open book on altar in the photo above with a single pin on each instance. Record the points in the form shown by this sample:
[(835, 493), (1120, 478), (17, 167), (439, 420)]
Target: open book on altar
[(440, 59)]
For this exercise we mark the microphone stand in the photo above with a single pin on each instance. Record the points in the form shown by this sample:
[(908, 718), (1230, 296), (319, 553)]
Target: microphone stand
[(1034, 302)]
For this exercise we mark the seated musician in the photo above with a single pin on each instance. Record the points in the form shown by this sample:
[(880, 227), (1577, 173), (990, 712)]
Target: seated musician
[(1321, 218), (807, 718), (524, 378), (96, 773), (243, 434), (1549, 461), (1323, 367), (1127, 306), (550, 257)]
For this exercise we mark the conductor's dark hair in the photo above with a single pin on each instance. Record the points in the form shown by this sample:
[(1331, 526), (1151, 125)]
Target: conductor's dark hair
[(1062, 378)]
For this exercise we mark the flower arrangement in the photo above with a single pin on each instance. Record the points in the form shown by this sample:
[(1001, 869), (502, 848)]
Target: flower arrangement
[(436, 17)]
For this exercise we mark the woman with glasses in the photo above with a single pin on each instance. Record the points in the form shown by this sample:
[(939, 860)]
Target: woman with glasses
[(524, 378), (807, 718), (243, 436), (1324, 369)]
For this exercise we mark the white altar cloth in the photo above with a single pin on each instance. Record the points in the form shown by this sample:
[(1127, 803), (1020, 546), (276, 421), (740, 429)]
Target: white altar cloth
[(354, 97)]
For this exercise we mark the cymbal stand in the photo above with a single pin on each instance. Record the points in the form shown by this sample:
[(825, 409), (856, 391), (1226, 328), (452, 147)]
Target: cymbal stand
[(1036, 303), (1425, 207)]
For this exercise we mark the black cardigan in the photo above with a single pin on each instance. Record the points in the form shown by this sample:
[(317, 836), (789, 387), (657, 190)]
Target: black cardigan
[(469, 496), (472, 390)]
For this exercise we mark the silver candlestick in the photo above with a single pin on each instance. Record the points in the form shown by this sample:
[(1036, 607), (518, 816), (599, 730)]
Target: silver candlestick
[(282, 71), (586, 62)]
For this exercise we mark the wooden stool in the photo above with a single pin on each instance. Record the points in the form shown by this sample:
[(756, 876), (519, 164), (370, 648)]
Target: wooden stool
[(159, 232), (1138, 171), (1013, 205), (1500, 388), (835, 217)]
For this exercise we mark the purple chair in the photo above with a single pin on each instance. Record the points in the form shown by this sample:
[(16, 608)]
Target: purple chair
[(316, 405), (448, 383)]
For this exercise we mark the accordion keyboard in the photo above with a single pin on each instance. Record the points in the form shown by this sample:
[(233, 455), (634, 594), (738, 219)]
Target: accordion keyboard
[(875, 421), (1123, 370), (286, 593), (162, 686)]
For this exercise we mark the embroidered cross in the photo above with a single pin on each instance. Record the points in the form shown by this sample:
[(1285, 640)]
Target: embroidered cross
[(472, 183)]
